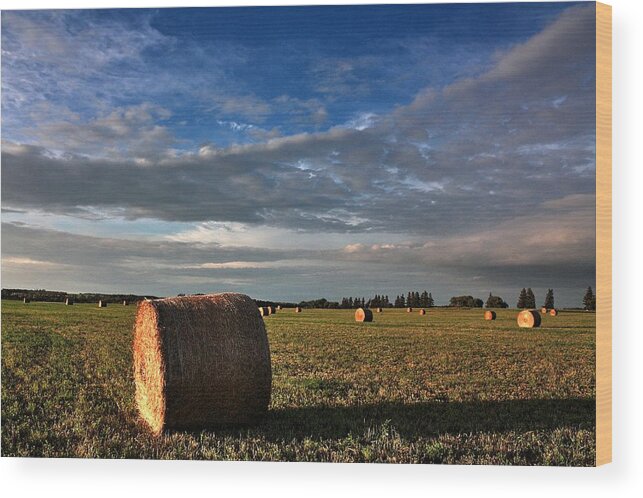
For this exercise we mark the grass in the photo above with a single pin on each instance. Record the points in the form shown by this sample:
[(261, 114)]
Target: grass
[(447, 387)]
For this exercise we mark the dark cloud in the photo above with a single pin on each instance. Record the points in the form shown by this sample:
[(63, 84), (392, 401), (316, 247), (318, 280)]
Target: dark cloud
[(474, 153)]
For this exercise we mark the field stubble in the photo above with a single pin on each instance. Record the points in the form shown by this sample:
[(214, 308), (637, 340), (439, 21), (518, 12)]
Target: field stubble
[(448, 387)]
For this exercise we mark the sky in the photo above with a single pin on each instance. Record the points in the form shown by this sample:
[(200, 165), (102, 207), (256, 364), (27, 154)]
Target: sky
[(294, 153)]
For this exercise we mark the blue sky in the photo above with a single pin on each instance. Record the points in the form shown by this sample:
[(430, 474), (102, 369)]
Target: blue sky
[(295, 152)]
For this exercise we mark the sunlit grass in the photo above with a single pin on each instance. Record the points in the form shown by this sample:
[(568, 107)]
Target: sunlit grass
[(447, 387)]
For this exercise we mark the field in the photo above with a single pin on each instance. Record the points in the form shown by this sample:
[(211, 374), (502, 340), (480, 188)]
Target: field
[(447, 387)]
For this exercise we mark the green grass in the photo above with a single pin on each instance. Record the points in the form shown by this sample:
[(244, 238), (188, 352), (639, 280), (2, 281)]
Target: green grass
[(448, 387)]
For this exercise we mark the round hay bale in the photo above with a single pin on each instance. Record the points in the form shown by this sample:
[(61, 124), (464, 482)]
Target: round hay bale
[(68, 302), (489, 315), (263, 311), (363, 315), (379, 310), (553, 312), (297, 309), (102, 304), (278, 307), (422, 312), (201, 361), (543, 310), (529, 319), (271, 310), (409, 310), (125, 303), (25, 300)]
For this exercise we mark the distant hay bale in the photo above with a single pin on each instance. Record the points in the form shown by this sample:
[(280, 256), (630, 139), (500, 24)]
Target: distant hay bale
[(102, 304), (422, 312), (25, 300), (379, 310), (409, 310), (297, 309), (125, 303), (553, 312), (263, 311), (529, 319), (201, 361), (543, 310), (271, 310), (363, 315), (489, 315), (278, 307), (68, 302)]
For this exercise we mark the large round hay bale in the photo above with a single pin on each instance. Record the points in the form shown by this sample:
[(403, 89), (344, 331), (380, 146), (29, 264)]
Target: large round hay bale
[(363, 315), (297, 309), (489, 315), (68, 302), (379, 310), (543, 310), (409, 310), (201, 361), (553, 312), (102, 304), (422, 312), (529, 319)]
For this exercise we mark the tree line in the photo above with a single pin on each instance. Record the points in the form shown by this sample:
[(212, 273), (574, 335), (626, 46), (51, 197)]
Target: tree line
[(60, 297), (413, 299)]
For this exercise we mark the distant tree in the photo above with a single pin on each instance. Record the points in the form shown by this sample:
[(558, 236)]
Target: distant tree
[(431, 301), (465, 302), (522, 299), (589, 300), (495, 302), (424, 299), (549, 299), (531, 299)]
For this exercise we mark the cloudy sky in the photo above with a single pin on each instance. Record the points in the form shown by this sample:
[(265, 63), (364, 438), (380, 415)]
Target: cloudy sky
[(294, 153)]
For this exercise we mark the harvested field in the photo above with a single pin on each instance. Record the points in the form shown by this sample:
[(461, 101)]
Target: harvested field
[(453, 389)]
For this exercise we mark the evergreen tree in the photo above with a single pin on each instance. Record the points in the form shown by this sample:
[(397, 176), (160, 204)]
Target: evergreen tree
[(549, 299), (350, 302), (431, 301), (402, 301), (409, 299), (531, 299), (522, 299), (589, 300), (424, 299)]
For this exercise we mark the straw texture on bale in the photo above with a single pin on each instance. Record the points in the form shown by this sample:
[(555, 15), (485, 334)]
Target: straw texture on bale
[(543, 310), (201, 361), (102, 304), (68, 302), (409, 310), (553, 312), (529, 319), (297, 309), (363, 315), (422, 312), (489, 315)]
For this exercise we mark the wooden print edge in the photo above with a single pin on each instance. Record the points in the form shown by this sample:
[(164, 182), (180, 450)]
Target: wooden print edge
[(603, 233)]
